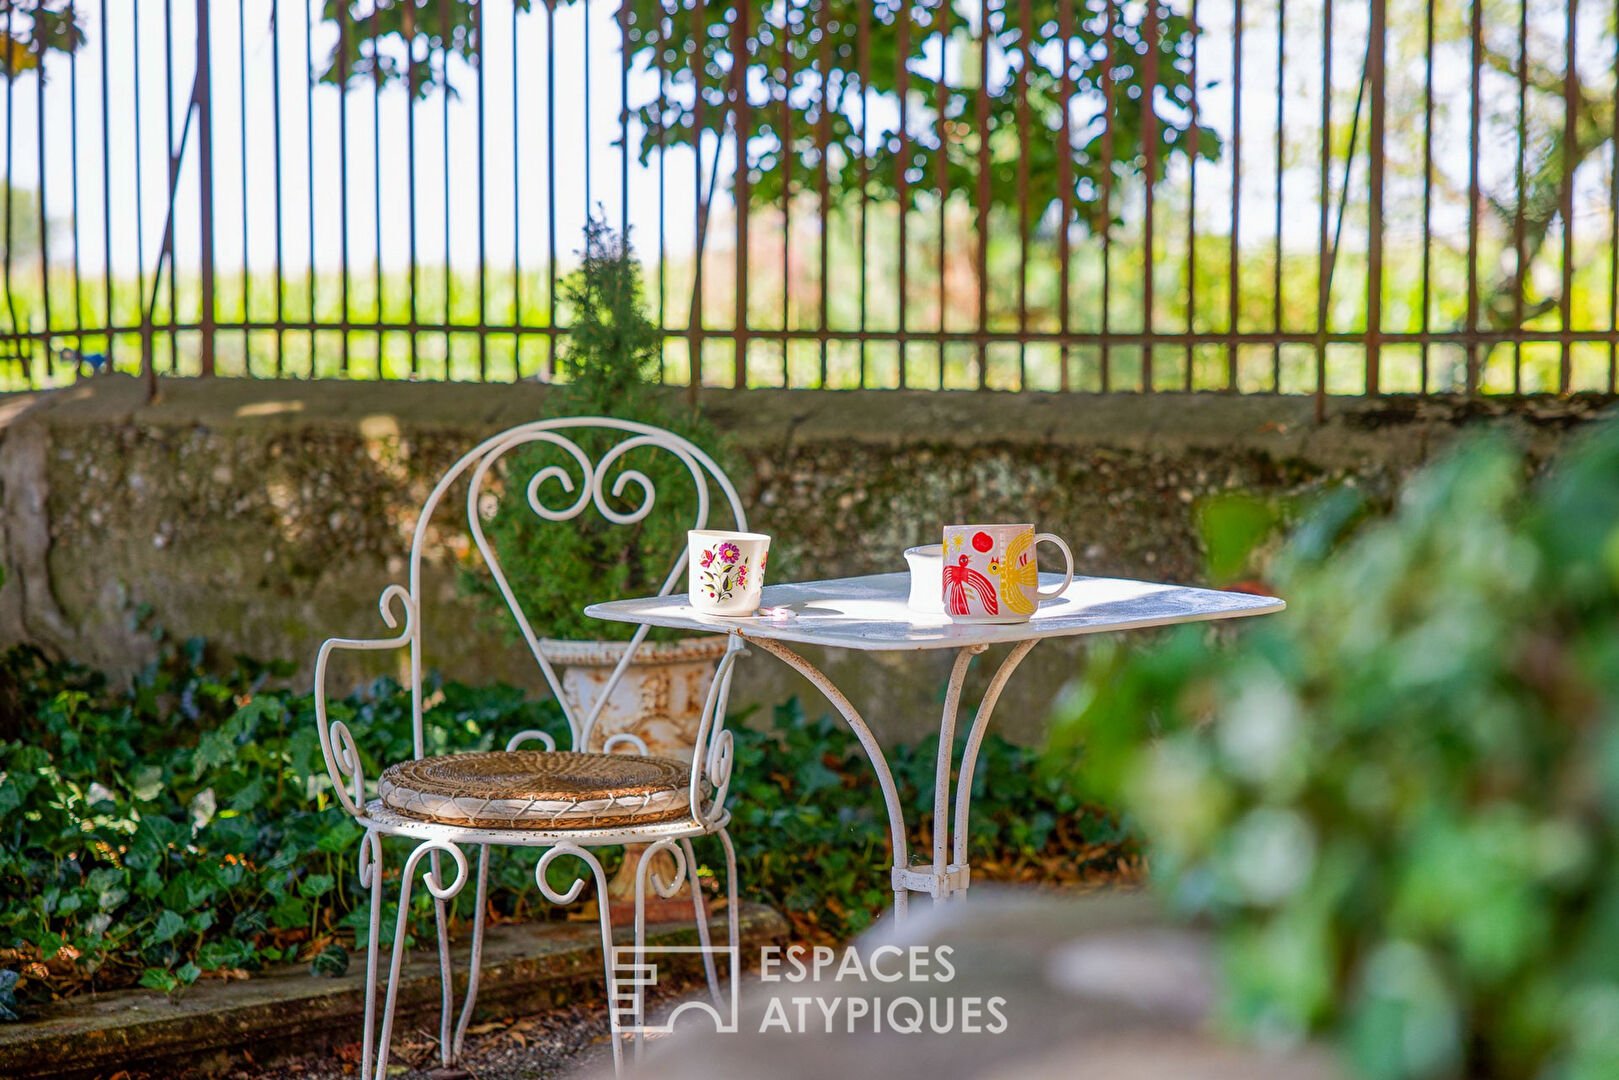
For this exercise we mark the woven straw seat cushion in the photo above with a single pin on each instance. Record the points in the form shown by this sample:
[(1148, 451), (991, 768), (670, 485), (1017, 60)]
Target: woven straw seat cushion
[(537, 789)]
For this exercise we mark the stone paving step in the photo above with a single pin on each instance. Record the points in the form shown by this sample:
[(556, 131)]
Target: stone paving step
[(1039, 985), (288, 1011)]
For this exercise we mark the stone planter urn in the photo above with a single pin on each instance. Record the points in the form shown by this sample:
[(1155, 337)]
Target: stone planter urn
[(660, 698)]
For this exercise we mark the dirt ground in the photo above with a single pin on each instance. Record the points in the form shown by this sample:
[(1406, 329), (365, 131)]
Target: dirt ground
[(566, 1042)]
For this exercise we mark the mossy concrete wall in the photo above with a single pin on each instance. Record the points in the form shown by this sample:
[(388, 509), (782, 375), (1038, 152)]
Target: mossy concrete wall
[(268, 515)]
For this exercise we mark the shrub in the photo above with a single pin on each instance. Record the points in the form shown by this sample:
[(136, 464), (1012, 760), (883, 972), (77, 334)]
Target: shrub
[(184, 827), (608, 363), (1397, 803)]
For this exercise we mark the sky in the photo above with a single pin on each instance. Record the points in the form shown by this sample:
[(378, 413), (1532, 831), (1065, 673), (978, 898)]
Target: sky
[(515, 180), (517, 150)]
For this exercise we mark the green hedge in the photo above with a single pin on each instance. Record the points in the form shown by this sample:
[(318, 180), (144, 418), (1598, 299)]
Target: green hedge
[(185, 825), (1398, 801)]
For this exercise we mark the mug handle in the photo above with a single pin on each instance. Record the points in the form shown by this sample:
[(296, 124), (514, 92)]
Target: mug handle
[(1068, 557)]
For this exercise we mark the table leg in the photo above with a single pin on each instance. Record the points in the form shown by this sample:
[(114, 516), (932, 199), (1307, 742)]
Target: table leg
[(948, 878), (874, 753), (969, 755)]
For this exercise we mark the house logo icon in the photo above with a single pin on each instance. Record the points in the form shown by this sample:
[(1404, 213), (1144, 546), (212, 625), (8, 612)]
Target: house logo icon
[(633, 979)]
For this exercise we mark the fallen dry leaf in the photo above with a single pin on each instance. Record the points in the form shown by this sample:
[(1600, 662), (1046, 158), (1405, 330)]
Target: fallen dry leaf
[(227, 974)]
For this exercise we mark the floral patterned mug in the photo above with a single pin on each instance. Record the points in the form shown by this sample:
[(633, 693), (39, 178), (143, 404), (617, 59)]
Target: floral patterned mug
[(725, 570), (990, 573)]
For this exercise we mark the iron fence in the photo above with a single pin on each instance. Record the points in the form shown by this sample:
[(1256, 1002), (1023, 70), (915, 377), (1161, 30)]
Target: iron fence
[(1289, 196)]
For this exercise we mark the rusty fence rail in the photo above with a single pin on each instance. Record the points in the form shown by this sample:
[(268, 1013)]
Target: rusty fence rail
[(1254, 196)]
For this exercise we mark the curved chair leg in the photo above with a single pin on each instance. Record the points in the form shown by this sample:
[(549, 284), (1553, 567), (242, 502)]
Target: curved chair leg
[(441, 892), (700, 910), (604, 911), (475, 962), (446, 971), (643, 869), (733, 912), (371, 878), (667, 890), (389, 999)]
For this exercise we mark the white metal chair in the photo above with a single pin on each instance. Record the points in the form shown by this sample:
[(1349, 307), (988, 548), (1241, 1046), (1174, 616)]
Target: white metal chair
[(567, 802)]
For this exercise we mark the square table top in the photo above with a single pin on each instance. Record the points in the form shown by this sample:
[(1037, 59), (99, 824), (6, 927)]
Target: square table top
[(871, 613)]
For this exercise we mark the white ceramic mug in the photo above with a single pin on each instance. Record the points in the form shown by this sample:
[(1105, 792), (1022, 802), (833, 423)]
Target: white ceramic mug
[(927, 578), (991, 575), (725, 570)]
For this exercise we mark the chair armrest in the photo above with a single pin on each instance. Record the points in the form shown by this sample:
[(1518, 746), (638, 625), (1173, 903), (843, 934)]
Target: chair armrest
[(336, 741)]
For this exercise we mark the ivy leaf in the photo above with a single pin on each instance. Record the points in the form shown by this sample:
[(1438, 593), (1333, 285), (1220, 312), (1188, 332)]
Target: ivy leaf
[(148, 783), (814, 776), (315, 885), (169, 923), (330, 962), (223, 954), (250, 797), (9, 1009), (290, 912), (160, 979), (217, 747), (19, 780), (203, 807)]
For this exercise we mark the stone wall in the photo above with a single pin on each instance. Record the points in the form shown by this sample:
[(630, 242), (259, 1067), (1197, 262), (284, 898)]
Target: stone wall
[(266, 516)]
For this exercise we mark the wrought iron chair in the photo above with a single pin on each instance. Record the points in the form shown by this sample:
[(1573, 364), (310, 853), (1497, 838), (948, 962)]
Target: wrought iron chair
[(567, 802)]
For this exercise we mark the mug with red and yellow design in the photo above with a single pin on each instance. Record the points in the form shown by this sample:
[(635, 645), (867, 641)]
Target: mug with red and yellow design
[(991, 575)]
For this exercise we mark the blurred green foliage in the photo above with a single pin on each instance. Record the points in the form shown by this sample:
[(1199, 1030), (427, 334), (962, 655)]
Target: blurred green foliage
[(1235, 528), (1398, 802), (185, 826)]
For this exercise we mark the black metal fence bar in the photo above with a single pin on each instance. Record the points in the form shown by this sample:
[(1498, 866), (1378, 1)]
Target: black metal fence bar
[(1008, 194)]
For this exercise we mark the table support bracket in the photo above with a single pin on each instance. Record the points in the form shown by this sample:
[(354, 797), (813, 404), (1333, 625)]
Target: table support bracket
[(925, 879)]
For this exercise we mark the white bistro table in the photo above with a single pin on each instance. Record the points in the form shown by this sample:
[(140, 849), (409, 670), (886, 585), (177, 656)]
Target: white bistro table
[(870, 613)]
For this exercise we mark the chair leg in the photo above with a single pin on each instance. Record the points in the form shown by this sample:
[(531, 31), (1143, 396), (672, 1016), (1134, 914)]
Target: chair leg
[(446, 971), (396, 957), (440, 893), (700, 910), (604, 914), (371, 878), (638, 991), (475, 969), (733, 912), (604, 911), (667, 890)]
